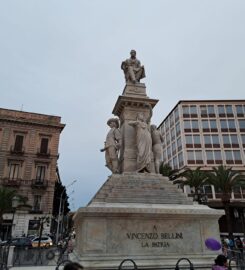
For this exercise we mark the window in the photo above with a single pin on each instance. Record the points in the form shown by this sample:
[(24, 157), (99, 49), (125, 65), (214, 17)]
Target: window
[(37, 203), (242, 124), (191, 125), (179, 144), (215, 140), (211, 110), (175, 163), (18, 145), (205, 124), (228, 109), (40, 176), (194, 157), (176, 115), (225, 110), (193, 109), (194, 124), (187, 125), (209, 125), (169, 152), (172, 134), (221, 110), (189, 111), (207, 110), (217, 157), (233, 157), (14, 171), (44, 146), (230, 140), (192, 141), (228, 125), (243, 139), (171, 120), (213, 124), (229, 157), (180, 158), (237, 156), (188, 139), (234, 140), (240, 110), (203, 110), (177, 129), (211, 140), (213, 157), (185, 110), (174, 148), (167, 124), (168, 138)]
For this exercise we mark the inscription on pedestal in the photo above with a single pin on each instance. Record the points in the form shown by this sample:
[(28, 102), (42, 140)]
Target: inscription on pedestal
[(154, 240)]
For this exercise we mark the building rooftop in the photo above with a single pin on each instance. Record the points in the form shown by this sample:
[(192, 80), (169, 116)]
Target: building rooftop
[(30, 118)]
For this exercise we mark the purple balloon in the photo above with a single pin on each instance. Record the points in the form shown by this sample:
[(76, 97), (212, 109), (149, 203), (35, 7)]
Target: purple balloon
[(212, 244)]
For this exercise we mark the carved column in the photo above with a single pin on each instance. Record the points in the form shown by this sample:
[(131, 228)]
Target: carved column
[(128, 105)]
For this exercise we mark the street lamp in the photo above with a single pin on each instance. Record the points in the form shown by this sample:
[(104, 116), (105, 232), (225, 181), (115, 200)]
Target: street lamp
[(15, 204), (58, 225)]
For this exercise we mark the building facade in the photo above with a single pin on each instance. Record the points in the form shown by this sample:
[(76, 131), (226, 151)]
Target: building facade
[(28, 159), (207, 133)]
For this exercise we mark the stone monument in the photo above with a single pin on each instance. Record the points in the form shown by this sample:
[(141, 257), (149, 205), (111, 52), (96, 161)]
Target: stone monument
[(137, 213)]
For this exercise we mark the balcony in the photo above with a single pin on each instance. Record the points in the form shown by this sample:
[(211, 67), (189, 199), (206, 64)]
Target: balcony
[(14, 182), (39, 184), (17, 150), (43, 154)]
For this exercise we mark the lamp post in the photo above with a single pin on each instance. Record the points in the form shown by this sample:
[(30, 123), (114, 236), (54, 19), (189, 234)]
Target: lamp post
[(63, 210), (61, 196), (15, 204)]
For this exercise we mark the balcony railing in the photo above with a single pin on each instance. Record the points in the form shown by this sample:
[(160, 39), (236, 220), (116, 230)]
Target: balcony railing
[(43, 154), (14, 182), (16, 151), (39, 184)]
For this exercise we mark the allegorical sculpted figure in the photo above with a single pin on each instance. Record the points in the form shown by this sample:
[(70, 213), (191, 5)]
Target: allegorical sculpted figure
[(132, 68), (112, 145), (143, 141), (157, 140)]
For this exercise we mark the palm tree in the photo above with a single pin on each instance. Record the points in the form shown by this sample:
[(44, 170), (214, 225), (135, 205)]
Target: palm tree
[(6, 196), (193, 178), (224, 180), (166, 170)]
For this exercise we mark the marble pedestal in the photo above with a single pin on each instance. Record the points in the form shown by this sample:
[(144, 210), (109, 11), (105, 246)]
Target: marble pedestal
[(143, 217)]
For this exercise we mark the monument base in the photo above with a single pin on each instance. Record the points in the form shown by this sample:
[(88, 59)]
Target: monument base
[(118, 225)]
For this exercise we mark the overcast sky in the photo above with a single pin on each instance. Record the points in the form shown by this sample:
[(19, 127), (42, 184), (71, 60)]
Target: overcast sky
[(63, 58)]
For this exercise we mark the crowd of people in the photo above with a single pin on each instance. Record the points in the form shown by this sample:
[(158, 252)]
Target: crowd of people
[(233, 247)]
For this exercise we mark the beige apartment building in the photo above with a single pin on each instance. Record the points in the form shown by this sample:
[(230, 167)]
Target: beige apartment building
[(28, 160), (207, 133)]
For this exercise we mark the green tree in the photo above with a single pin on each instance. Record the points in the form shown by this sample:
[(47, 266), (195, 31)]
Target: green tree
[(6, 196), (224, 180), (193, 178), (166, 170)]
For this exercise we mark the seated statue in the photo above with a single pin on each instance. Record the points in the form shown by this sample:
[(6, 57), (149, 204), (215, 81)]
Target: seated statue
[(132, 68)]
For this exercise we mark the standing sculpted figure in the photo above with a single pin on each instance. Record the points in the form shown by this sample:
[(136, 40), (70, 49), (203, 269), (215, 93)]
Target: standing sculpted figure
[(132, 68), (112, 145), (143, 141), (157, 140)]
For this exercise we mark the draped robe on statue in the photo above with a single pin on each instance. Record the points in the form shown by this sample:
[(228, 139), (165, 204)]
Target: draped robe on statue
[(144, 145)]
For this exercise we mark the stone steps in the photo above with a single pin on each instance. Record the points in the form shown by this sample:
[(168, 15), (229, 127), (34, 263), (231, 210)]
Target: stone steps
[(138, 188)]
